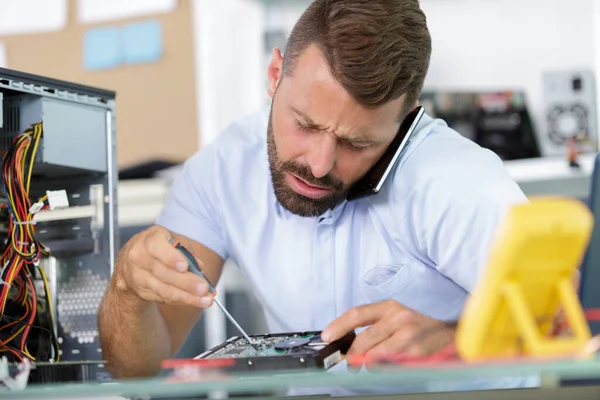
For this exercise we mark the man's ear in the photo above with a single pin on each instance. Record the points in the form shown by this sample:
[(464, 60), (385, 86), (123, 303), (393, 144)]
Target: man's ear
[(275, 71)]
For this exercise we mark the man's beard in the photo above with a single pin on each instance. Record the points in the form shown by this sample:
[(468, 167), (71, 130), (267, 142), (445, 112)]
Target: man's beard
[(295, 202)]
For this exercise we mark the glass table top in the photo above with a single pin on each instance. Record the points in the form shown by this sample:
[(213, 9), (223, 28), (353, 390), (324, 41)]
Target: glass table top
[(336, 381)]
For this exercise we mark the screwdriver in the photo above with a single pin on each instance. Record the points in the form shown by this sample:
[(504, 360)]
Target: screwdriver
[(196, 269)]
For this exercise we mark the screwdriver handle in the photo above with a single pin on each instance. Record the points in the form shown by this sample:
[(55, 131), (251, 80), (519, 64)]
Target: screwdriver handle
[(193, 263)]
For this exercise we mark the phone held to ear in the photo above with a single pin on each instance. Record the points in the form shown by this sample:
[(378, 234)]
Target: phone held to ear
[(373, 181)]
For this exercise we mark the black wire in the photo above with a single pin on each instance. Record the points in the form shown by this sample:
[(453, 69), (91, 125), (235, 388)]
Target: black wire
[(21, 196), (51, 320), (49, 332)]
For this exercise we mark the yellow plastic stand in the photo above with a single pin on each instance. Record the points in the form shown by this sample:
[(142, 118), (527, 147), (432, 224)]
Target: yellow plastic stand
[(529, 277)]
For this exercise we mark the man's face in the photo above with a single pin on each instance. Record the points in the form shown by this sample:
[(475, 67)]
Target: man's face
[(320, 140)]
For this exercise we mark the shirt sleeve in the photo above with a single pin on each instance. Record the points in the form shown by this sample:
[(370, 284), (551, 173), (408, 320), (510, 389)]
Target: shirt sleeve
[(462, 231), (192, 208), (458, 206)]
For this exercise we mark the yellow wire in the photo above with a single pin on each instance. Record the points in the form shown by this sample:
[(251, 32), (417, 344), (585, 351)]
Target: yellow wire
[(10, 279), (28, 182), (49, 300), (37, 134), (21, 329), (25, 352), (26, 294), (29, 139), (30, 227), (14, 208)]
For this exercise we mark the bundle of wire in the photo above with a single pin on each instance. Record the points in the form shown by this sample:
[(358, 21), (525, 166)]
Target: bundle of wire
[(22, 310)]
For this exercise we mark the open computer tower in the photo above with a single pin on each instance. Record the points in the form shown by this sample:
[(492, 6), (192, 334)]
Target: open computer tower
[(61, 138)]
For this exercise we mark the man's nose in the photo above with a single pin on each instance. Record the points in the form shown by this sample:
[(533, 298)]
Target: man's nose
[(322, 155)]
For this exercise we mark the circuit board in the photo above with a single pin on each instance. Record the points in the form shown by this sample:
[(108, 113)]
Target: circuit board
[(281, 351)]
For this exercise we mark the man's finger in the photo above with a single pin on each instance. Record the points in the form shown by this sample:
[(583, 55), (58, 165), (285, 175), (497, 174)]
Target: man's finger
[(369, 338), (400, 342), (171, 295), (354, 318), (160, 249), (188, 281)]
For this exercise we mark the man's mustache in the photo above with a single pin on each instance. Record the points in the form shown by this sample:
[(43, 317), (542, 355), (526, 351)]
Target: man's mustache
[(304, 172)]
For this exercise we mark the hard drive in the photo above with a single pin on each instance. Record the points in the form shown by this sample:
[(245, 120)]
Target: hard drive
[(281, 351)]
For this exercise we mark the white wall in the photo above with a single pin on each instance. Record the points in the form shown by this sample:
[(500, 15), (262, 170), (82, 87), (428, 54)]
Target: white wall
[(494, 44), (228, 41), (504, 44)]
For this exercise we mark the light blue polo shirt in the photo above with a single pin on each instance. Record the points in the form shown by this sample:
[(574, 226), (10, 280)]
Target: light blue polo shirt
[(423, 240)]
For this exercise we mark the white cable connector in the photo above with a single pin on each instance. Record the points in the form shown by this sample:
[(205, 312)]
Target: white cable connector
[(36, 207), (57, 199)]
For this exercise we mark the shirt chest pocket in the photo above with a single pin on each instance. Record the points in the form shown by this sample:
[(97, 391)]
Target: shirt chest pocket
[(384, 281), (385, 272), (415, 286)]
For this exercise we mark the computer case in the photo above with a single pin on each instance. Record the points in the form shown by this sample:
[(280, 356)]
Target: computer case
[(77, 154)]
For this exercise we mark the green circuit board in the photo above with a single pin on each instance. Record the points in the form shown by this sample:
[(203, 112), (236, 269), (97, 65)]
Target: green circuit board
[(266, 346)]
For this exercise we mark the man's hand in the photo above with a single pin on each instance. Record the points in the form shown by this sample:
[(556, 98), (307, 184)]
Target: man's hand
[(394, 329), (153, 270)]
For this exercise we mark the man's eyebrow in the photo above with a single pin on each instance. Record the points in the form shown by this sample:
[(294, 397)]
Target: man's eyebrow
[(357, 139), (306, 119), (311, 124)]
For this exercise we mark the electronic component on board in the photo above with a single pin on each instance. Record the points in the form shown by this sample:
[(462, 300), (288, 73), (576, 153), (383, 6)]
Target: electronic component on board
[(280, 352)]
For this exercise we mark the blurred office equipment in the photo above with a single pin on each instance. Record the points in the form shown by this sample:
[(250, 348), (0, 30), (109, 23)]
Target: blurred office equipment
[(498, 121), (59, 215), (570, 111)]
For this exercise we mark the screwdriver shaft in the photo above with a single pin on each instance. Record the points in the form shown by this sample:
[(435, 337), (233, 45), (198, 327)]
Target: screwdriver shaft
[(233, 321), (196, 269)]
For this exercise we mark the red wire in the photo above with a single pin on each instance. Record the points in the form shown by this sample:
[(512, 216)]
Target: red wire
[(15, 273), (592, 314), (16, 321), (206, 363), (32, 314), (449, 352)]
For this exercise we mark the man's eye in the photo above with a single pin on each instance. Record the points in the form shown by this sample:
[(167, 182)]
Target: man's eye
[(356, 147), (303, 127)]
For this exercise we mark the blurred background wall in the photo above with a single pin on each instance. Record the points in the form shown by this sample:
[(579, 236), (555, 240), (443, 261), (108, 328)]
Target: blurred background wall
[(205, 61)]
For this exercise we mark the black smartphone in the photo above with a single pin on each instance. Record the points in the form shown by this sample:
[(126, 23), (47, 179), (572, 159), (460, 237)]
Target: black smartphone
[(373, 181)]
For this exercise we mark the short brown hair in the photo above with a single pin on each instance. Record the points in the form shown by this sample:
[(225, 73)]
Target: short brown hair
[(378, 50)]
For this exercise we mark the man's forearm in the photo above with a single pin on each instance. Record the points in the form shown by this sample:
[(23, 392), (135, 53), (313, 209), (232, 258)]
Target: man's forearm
[(133, 335)]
